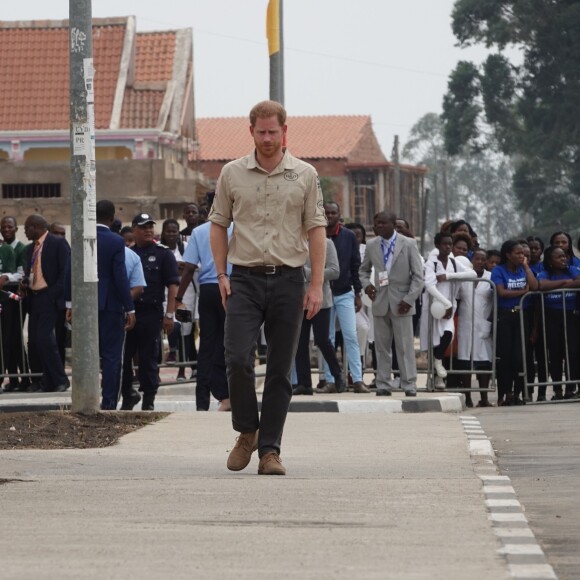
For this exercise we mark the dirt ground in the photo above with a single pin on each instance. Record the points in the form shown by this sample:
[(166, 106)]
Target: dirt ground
[(65, 430)]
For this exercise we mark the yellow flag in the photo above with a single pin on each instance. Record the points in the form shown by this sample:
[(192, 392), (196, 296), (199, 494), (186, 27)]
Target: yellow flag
[(273, 26)]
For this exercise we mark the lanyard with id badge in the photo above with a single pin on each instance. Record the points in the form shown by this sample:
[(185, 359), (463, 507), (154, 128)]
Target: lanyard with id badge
[(387, 252)]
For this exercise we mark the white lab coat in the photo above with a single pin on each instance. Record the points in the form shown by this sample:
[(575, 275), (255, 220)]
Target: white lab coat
[(475, 307), (445, 292)]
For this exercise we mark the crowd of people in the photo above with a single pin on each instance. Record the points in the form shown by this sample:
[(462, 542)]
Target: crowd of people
[(375, 301)]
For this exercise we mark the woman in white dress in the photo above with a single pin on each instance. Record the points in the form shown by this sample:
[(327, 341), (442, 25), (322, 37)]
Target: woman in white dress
[(474, 328), (441, 275)]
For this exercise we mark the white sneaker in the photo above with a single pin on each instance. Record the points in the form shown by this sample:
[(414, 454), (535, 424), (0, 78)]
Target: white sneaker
[(439, 368), (397, 383), (439, 384)]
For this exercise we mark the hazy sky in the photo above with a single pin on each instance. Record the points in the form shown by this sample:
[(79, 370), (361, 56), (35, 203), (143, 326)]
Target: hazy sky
[(386, 58)]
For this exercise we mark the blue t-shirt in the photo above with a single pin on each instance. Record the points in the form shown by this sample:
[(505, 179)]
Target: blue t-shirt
[(537, 268), (502, 275), (198, 251), (553, 300)]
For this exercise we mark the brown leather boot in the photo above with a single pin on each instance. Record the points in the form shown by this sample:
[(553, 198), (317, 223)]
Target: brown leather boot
[(241, 454), (271, 464), (360, 387)]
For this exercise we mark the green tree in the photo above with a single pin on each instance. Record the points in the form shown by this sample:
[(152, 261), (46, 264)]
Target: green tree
[(530, 106), (479, 184)]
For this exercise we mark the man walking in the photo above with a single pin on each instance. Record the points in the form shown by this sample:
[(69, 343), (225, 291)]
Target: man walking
[(116, 310), (397, 284), (276, 204)]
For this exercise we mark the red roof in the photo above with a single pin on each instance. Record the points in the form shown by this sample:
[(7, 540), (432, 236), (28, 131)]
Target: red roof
[(327, 137), (34, 75), (155, 52)]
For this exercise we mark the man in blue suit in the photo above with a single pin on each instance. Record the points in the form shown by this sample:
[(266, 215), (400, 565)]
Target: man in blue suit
[(44, 284), (116, 309)]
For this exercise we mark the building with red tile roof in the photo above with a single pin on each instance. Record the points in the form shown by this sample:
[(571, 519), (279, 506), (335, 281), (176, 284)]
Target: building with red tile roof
[(343, 148), (144, 116)]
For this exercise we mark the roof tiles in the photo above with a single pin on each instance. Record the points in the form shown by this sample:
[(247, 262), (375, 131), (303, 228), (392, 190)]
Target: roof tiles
[(155, 53), (34, 76), (323, 137)]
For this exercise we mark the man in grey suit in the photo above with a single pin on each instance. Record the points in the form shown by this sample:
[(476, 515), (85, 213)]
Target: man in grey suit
[(398, 281)]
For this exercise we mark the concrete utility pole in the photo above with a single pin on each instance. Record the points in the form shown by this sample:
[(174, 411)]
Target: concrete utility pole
[(275, 33), (424, 207), (85, 363), (445, 190), (397, 176)]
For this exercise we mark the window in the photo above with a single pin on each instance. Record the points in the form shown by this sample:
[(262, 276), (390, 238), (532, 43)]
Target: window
[(364, 183), (28, 190)]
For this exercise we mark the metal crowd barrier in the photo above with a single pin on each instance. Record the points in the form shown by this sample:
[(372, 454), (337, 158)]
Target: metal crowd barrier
[(451, 371), (14, 312), (539, 310)]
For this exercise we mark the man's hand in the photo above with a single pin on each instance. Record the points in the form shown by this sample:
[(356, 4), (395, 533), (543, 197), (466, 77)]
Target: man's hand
[(312, 301), (357, 303), (68, 315), (441, 278), (371, 292), (225, 290), (404, 307), (3, 280), (448, 313), (168, 325), (129, 321)]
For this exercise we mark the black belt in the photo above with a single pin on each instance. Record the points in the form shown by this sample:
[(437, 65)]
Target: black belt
[(266, 270), (35, 292)]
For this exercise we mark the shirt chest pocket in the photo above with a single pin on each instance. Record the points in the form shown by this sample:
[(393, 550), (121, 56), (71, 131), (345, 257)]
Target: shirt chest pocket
[(288, 199), (151, 271)]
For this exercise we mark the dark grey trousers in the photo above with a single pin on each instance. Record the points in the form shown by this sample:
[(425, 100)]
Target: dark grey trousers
[(275, 300)]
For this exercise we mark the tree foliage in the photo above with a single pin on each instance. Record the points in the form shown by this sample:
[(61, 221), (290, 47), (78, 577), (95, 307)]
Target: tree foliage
[(479, 184), (530, 106)]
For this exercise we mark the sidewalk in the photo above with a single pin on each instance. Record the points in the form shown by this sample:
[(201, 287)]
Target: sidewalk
[(181, 397), (369, 496)]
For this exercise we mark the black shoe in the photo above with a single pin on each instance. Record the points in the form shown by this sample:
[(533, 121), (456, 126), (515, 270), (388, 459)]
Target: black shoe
[(302, 390), (12, 387), (469, 403), (383, 393), (340, 386), (62, 388), (131, 401), (413, 393), (540, 399), (34, 388), (148, 402)]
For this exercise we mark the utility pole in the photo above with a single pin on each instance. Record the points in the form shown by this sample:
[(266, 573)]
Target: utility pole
[(424, 207), (436, 195), (445, 190), (397, 176), (85, 351), (275, 33)]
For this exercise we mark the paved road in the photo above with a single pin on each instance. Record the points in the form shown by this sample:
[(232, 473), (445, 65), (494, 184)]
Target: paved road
[(366, 497), (538, 446)]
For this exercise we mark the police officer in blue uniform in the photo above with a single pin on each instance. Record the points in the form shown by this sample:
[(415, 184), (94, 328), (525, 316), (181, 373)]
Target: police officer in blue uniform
[(160, 269)]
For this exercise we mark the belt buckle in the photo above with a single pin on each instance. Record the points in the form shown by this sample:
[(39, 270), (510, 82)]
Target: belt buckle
[(269, 269)]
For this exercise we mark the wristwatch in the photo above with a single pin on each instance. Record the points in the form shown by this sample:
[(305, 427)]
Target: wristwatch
[(170, 315)]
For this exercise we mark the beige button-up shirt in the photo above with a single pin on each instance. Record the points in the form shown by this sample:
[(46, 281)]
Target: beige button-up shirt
[(272, 212)]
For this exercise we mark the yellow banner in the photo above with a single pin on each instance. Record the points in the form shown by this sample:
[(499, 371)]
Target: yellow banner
[(273, 26)]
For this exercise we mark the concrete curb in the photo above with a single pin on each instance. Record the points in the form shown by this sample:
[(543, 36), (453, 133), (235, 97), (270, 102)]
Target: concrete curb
[(523, 554), (452, 403)]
